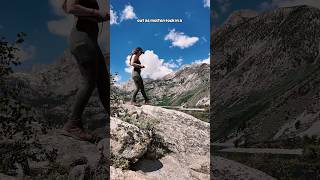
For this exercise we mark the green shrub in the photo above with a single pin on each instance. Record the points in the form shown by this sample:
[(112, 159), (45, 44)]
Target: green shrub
[(157, 148), (19, 127), (119, 162)]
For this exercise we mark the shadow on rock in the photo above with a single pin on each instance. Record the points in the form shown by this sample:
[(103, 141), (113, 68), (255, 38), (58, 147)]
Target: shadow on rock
[(147, 165)]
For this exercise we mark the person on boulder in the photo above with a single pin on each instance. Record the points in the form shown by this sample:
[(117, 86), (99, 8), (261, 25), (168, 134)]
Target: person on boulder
[(83, 41), (136, 75)]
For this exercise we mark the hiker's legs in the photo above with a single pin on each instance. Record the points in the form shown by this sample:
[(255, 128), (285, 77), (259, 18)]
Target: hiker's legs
[(86, 64), (82, 47), (103, 80), (135, 92), (142, 90)]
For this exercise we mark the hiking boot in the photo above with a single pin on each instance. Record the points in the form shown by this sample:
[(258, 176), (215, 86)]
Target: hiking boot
[(74, 129)]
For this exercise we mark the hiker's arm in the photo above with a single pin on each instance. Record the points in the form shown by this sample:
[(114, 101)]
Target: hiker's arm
[(133, 60), (73, 7)]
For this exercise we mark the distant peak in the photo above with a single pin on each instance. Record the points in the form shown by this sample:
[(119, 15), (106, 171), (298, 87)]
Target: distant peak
[(240, 15)]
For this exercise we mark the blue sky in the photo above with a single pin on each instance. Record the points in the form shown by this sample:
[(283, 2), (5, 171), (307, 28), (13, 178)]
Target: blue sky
[(41, 46), (45, 24), (47, 29), (188, 41)]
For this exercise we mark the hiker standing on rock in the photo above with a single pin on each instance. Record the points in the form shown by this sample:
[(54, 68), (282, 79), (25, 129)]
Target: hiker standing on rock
[(84, 46), (136, 75)]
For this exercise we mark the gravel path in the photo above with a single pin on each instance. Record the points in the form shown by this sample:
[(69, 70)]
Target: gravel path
[(263, 151)]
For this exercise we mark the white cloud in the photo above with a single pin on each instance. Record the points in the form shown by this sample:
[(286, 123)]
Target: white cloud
[(171, 64), (57, 7), (128, 13), (179, 39), (26, 52), (206, 3), (179, 61), (61, 27), (113, 16), (201, 61), (289, 3), (174, 63), (155, 67)]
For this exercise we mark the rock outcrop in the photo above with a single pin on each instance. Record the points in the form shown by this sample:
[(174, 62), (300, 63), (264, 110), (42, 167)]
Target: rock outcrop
[(186, 138), (128, 141)]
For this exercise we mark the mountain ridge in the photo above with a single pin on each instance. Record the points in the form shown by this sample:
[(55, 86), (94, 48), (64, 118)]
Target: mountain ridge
[(261, 64), (187, 86)]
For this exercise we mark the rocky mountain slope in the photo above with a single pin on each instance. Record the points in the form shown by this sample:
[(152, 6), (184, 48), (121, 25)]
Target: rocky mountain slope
[(265, 75), (182, 151), (187, 86)]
